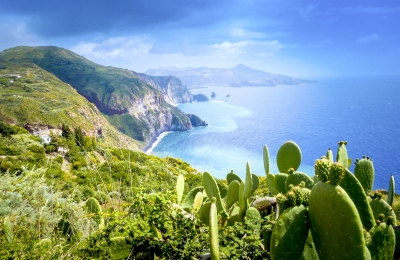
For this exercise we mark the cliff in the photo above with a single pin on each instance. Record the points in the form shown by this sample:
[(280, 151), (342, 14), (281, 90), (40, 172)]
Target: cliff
[(196, 121), (170, 86), (138, 105)]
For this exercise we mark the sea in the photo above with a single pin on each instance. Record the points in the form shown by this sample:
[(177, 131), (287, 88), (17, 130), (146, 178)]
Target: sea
[(365, 112)]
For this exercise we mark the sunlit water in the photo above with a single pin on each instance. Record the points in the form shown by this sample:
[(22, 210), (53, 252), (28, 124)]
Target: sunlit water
[(365, 112)]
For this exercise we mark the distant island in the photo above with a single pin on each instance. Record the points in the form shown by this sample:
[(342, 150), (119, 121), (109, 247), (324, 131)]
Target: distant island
[(238, 76)]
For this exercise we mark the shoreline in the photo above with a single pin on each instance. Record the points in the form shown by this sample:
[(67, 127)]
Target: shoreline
[(154, 142)]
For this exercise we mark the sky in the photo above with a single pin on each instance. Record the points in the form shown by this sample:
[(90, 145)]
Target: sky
[(292, 37)]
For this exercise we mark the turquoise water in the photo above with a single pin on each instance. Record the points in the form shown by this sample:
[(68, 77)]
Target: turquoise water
[(365, 112)]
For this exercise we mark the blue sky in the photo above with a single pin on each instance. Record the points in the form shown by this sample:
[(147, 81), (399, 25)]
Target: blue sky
[(292, 37)]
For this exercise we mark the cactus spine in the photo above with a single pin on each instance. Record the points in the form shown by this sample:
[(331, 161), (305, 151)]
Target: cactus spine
[(365, 172), (391, 191)]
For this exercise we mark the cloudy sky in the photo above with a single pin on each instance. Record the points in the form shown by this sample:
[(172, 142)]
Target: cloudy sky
[(293, 37)]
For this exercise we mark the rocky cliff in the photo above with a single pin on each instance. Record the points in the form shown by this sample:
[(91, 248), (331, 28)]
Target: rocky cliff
[(138, 105), (172, 87)]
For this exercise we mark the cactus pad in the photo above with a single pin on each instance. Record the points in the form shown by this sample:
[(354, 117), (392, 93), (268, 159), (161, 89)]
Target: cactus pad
[(214, 243), (379, 206), (336, 227), (232, 177), (391, 191), (212, 190), (289, 234), (364, 171), (266, 160), (382, 244), (289, 156), (295, 178), (187, 203), (341, 155), (180, 185), (271, 183), (233, 194), (280, 182), (356, 192)]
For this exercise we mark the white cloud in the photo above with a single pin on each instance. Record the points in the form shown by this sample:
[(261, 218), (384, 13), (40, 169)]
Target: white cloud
[(370, 38), (114, 48), (261, 48)]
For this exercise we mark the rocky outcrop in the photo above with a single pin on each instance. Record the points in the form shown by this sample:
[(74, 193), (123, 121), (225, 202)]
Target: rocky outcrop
[(200, 97), (172, 88), (196, 121)]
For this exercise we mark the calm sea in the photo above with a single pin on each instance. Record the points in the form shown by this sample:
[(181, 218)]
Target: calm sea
[(363, 111)]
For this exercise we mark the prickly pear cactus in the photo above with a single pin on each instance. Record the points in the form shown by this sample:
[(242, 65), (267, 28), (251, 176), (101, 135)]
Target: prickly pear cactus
[(309, 253), (187, 203), (336, 227), (243, 203), (255, 181), (356, 192), (233, 194), (204, 213), (280, 182), (391, 191), (180, 185), (248, 185), (93, 207), (322, 169), (383, 239), (271, 183), (379, 206), (341, 155), (289, 156), (295, 178), (365, 172), (290, 234), (214, 243), (329, 155), (266, 160), (212, 190), (232, 177)]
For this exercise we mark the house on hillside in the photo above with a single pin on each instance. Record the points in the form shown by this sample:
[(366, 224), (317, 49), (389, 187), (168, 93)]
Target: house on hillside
[(45, 134)]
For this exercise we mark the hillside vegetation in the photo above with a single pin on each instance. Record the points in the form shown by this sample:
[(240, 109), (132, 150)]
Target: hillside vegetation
[(34, 98), (146, 103)]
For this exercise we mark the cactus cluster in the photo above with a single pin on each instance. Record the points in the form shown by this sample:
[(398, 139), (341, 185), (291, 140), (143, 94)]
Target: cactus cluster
[(334, 218)]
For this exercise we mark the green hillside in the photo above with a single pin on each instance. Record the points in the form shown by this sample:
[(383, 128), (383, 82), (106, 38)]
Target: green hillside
[(114, 91), (34, 98)]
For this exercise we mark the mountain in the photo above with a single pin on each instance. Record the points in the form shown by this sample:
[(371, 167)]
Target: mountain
[(239, 76), (37, 100), (138, 105)]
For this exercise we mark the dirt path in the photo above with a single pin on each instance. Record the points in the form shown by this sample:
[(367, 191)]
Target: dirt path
[(66, 165)]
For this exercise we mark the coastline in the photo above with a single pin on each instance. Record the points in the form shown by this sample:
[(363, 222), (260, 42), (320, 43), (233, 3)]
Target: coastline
[(154, 142)]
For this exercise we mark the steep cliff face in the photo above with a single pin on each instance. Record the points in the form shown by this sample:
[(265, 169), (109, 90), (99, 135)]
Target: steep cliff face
[(170, 86), (138, 105)]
